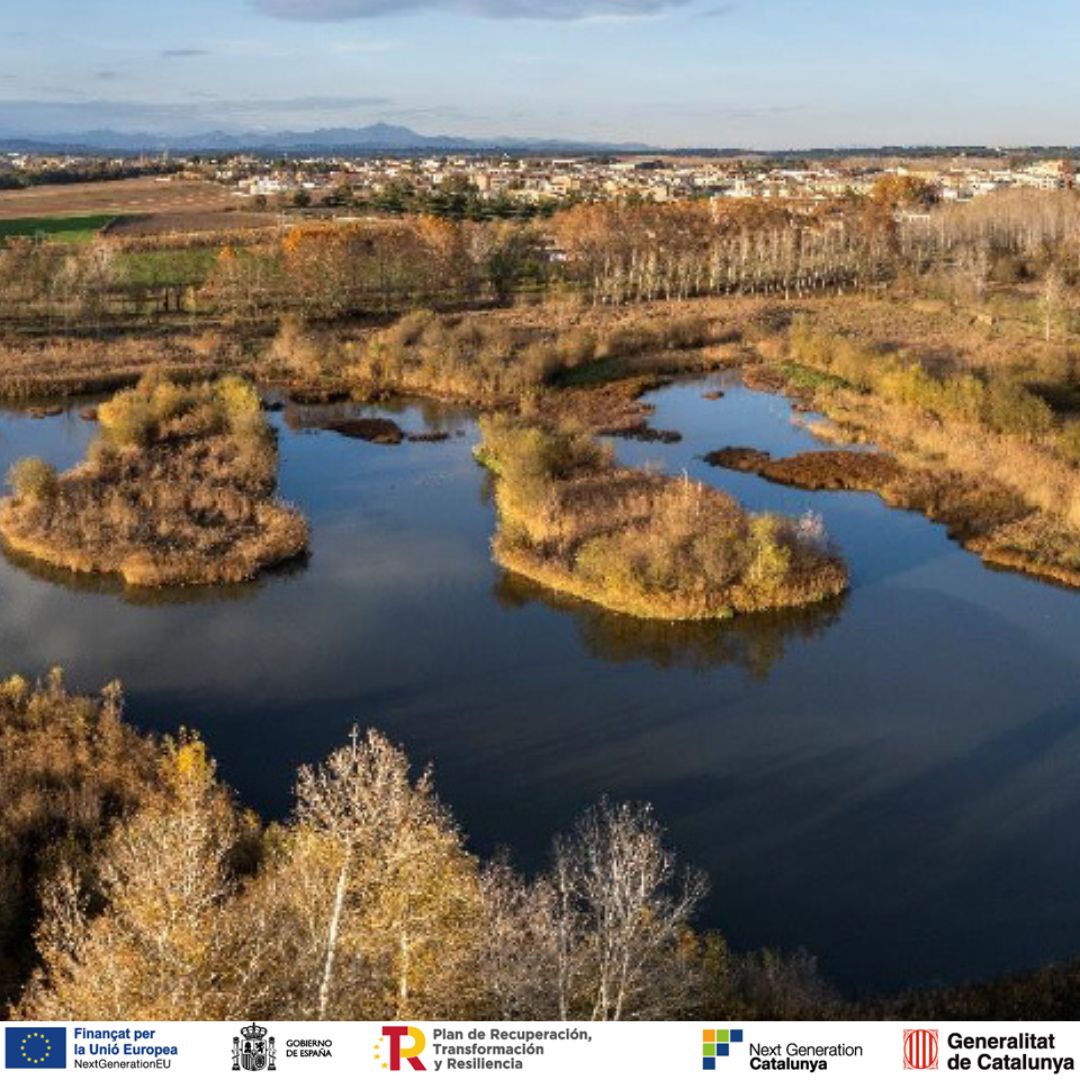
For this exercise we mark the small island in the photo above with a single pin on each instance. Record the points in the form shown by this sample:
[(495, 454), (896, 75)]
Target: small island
[(178, 489), (643, 544)]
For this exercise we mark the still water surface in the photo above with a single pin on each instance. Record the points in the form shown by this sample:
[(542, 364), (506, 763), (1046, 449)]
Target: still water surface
[(892, 781)]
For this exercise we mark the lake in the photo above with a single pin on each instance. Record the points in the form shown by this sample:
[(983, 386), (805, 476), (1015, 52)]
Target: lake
[(891, 781)]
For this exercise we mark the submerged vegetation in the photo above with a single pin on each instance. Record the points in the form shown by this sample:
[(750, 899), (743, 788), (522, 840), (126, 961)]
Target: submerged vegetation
[(177, 490), (640, 543)]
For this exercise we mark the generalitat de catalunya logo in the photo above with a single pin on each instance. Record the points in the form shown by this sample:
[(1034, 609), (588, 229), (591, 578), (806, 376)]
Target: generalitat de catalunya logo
[(716, 1043), (35, 1047), (920, 1048), (400, 1043)]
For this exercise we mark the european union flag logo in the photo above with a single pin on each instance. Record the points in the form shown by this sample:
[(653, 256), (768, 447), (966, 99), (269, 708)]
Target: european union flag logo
[(35, 1047)]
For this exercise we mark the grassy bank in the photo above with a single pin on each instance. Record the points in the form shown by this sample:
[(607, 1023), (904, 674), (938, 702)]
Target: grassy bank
[(977, 449), (58, 365), (639, 543), (503, 357), (178, 490)]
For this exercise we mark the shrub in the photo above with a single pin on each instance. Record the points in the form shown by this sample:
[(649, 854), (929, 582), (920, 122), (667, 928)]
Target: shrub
[(628, 341), (1069, 441), (539, 362), (1014, 410), (689, 332), (33, 480), (577, 347), (640, 543), (127, 420), (239, 402), (410, 327), (771, 558), (69, 769)]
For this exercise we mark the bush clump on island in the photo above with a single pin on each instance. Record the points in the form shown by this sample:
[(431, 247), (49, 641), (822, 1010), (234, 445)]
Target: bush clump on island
[(643, 544), (499, 364), (177, 490)]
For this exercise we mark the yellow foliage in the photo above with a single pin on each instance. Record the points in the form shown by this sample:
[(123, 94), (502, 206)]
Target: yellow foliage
[(638, 543)]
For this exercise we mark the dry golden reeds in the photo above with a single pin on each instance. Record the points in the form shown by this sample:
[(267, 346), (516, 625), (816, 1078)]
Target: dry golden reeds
[(178, 490)]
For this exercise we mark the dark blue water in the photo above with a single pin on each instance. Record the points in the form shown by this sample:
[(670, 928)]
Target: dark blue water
[(892, 781)]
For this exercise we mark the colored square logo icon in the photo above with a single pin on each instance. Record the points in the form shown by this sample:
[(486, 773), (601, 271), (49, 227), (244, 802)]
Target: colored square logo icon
[(716, 1043), (35, 1047)]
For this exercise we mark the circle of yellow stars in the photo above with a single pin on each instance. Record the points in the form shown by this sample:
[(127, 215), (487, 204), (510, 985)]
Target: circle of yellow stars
[(31, 1057), (377, 1055)]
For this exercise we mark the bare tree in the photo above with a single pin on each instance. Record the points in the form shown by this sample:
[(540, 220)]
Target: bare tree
[(406, 896), (1051, 299), (618, 887)]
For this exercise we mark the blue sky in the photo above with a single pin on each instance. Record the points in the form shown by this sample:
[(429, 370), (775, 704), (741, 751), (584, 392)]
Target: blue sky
[(760, 73)]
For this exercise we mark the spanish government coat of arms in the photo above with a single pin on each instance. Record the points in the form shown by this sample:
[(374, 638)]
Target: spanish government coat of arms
[(253, 1051)]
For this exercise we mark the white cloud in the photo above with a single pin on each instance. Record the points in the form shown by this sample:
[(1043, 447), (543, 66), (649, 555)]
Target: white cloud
[(340, 10)]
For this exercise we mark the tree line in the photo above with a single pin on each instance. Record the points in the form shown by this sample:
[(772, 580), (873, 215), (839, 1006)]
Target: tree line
[(608, 253)]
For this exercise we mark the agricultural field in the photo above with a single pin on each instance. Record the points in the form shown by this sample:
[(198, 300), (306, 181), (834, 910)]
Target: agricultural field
[(77, 229), (146, 205)]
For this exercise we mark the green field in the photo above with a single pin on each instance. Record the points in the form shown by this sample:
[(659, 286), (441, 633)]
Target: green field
[(80, 229)]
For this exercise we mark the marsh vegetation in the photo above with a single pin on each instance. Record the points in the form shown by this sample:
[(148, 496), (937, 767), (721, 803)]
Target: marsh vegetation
[(640, 543), (177, 490), (976, 448)]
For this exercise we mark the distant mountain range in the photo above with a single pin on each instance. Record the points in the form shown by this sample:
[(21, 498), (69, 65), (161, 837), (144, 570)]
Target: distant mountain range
[(392, 138), (370, 139)]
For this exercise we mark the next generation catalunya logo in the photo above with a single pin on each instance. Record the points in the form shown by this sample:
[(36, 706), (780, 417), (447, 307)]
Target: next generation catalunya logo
[(35, 1047), (717, 1043)]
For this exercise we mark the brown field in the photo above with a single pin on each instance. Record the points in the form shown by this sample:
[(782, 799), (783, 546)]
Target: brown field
[(178, 223), (143, 195)]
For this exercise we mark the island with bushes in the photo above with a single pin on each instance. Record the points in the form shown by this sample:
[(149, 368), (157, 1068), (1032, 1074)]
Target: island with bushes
[(178, 489), (643, 544)]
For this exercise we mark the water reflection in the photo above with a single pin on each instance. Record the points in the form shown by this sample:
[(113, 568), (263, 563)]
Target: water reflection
[(754, 643), (143, 596), (420, 417), (892, 782)]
